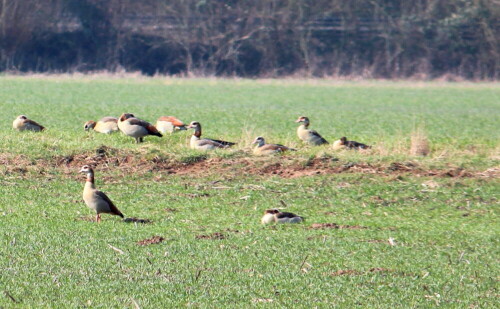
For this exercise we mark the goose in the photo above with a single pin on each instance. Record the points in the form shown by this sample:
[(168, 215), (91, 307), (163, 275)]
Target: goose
[(169, 124), (344, 143), (205, 143), (96, 199), (22, 123), (276, 216), (136, 128), (265, 149), (106, 125), (309, 136)]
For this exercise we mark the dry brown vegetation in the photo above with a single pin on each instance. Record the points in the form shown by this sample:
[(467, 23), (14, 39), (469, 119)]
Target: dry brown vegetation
[(419, 143), (151, 241), (336, 226)]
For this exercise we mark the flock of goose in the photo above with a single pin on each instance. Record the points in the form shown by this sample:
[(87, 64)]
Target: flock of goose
[(137, 128)]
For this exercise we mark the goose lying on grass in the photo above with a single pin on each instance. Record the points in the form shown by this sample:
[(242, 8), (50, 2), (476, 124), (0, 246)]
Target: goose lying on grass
[(106, 125), (266, 149), (169, 124), (344, 143), (22, 123), (276, 216), (205, 143)]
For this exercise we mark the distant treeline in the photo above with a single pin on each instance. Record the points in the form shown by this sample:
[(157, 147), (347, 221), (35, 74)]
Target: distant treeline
[(258, 38)]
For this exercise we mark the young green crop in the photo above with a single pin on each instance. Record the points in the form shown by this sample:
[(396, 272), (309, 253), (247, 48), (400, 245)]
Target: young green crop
[(445, 243), (401, 240), (458, 118)]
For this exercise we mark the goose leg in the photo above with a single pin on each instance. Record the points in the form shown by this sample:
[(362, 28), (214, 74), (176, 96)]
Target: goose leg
[(98, 218)]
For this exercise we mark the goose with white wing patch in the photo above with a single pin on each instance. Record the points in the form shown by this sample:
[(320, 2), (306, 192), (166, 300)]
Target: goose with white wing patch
[(205, 143), (136, 128), (96, 199), (309, 136)]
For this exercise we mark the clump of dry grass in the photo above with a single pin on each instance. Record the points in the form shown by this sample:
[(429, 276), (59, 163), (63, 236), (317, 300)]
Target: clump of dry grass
[(419, 143)]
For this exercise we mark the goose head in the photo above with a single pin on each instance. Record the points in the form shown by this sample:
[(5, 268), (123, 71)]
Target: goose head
[(271, 211), (86, 169), (303, 119), (89, 125), (259, 141), (194, 125), (126, 116)]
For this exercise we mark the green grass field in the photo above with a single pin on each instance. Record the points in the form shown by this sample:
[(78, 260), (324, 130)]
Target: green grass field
[(401, 239)]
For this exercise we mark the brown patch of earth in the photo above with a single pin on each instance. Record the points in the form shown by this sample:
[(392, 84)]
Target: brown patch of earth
[(137, 220), (195, 194), (287, 167), (344, 272), (377, 241), (336, 226), (353, 272), (215, 235), (150, 241), (379, 269)]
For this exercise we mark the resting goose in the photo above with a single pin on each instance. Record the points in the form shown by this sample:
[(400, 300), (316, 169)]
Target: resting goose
[(96, 199), (106, 125), (265, 149), (344, 143), (136, 127), (169, 124), (309, 136), (276, 216), (205, 143), (22, 123)]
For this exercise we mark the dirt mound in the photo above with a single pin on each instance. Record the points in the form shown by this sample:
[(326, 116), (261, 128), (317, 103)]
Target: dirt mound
[(317, 226), (215, 235), (286, 167), (151, 241), (352, 272), (137, 220), (344, 272)]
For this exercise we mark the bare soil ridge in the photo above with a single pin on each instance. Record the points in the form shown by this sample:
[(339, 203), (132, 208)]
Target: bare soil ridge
[(286, 167)]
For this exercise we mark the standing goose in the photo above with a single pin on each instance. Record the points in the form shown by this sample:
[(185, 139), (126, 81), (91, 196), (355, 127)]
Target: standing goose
[(344, 143), (96, 199), (265, 149), (106, 125), (136, 127), (309, 136), (205, 143), (22, 123), (276, 216), (169, 124)]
